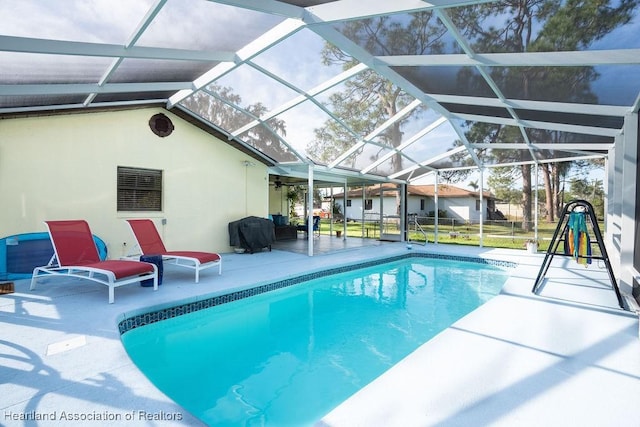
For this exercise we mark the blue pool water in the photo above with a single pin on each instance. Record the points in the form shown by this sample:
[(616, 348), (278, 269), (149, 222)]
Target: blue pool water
[(289, 356)]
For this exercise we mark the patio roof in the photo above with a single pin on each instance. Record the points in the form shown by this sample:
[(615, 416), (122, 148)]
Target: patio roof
[(282, 80)]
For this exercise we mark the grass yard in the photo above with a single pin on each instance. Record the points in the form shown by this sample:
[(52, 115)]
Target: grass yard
[(504, 234)]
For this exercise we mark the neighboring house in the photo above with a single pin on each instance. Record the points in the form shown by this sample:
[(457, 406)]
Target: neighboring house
[(458, 203)]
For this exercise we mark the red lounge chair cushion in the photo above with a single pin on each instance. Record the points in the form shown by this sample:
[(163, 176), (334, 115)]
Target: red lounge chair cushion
[(147, 236), (122, 269), (203, 257)]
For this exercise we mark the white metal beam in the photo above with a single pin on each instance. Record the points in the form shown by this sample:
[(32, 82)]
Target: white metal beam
[(400, 114), (526, 162), (357, 9), (522, 59), (279, 137), (63, 47), (79, 106), (257, 46), (305, 96), (338, 39), (558, 107), (547, 146), (588, 130), (407, 143), (144, 24), (427, 162), (84, 88), (446, 20), (267, 6)]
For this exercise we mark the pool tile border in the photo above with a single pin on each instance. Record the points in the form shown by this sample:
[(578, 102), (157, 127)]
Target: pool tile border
[(139, 320)]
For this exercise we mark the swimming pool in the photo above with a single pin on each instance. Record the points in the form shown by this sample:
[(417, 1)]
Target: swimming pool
[(289, 356)]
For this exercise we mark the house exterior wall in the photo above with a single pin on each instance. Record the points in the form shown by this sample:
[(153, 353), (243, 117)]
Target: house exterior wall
[(278, 202), (413, 205), (355, 210), (65, 167), (460, 208)]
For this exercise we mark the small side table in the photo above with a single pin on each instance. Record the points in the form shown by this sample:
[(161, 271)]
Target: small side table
[(153, 259)]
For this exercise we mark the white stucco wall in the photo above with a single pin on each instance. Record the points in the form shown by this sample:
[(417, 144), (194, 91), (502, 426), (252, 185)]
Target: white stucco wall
[(413, 205), (356, 209), (459, 208), (65, 166), (278, 202)]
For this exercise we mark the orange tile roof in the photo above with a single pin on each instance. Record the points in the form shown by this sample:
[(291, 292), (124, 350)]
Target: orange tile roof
[(444, 190)]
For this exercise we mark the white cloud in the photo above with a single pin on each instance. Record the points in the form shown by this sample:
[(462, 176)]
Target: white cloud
[(107, 21)]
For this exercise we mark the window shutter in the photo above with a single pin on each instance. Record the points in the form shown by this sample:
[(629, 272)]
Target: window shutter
[(139, 189)]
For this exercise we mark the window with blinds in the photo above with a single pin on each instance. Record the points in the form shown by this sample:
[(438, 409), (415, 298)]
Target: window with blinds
[(139, 189)]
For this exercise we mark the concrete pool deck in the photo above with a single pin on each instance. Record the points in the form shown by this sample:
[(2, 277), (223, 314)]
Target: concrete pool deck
[(566, 357)]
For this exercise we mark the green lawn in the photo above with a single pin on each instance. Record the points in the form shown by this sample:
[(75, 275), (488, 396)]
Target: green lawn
[(498, 235)]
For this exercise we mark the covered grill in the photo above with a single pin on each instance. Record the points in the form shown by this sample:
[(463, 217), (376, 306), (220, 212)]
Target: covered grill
[(252, 233)]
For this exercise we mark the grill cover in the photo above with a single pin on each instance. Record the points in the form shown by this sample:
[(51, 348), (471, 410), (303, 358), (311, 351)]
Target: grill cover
[(252, 233)]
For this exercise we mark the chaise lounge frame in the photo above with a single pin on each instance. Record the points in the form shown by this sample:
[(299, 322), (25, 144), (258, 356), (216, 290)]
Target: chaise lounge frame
[(75, 255), (149, 242)]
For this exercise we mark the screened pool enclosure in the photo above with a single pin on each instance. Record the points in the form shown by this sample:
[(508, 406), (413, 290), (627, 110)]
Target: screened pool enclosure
[(353, 93)]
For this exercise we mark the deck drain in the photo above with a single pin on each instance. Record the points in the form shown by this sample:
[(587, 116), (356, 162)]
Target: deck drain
[(66, 345)]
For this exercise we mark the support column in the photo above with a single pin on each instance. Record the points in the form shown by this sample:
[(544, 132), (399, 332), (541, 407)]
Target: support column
[(381, 216), (615, 225), (482, 210), (344, 214), (362, 202), (403, 213), (537, 204), (435, 199), (628, 220), (331, 204), (310, 212)]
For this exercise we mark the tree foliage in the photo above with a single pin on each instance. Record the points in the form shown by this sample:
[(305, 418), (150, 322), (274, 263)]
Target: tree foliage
[(530, 26), (226, 115), (368, 100), (501, 182), (589, 190), (509, 26)]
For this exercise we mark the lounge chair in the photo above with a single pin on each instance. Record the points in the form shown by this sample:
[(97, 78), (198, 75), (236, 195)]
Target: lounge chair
[(75, 255), (315, 227), (150, 243)]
